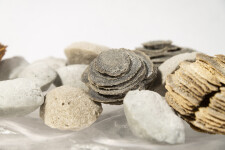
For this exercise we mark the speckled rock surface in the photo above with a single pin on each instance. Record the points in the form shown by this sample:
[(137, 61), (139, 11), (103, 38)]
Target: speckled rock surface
[(69, 108), (19, 97), (41, 74), (71, 75), (150, 117), (11, 67), (83, 52)]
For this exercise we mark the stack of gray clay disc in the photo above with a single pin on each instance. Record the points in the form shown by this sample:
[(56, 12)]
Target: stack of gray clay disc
[(115, 72), (160, 51)]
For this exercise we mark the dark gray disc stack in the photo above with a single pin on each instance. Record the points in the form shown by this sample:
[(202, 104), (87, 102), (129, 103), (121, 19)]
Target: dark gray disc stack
[(160, 51), (115, 72)]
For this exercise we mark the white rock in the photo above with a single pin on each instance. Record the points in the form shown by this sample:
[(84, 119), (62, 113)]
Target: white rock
[(41, 74), (83, 52), (52, 62), (170, 65), (71, 75), (69, 108), (150, 117), (11, 67), (19, 97)]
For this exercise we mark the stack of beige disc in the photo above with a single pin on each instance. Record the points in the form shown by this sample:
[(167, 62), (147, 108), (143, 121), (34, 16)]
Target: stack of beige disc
[(2, 51), (115, 72), (197, 92), (160, 51)]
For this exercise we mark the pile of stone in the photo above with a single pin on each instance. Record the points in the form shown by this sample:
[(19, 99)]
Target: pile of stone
[(115, 72), (160, 51)]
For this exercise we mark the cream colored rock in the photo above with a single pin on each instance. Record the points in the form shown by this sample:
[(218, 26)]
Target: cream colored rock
[(83, 52), (69, 108), (71, 76)]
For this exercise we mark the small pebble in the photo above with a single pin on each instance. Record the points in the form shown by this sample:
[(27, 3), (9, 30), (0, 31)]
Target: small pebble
[(11, 67), (19, 97), (83, 52), (69, 108), (41, 74), (150, 117), (71, 76), (52, 62)]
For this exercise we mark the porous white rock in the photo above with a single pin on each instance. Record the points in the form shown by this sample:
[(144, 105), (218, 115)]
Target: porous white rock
[(71, 75), (83, 52), (11, 67), (150, 117), (41, 74), (19, 97), (69, 108), (170, 65), (52, 62)]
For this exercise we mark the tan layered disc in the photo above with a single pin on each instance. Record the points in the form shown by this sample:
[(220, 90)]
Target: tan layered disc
[(160, 51), (115, 72), (197, 92), (2, 51)]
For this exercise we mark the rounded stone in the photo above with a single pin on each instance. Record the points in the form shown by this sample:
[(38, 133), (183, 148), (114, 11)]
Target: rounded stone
[(10, 68), (150, 117), (69, 108), (53, 62), (41, 74), (19, 97), (71, 76)]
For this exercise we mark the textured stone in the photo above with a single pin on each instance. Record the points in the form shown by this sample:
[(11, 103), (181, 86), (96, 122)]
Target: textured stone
[(69, 108), (196, 91), (160, 51), (150, 117), (71, 76), (115, 72), (41, 74), (19, 97), (10, 68), (83, 52), (52, 62)]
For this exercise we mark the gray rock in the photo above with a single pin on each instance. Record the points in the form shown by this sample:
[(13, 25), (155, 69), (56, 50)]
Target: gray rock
[(69, 108), (40, 73), (11, 67), (52, 62), (151, 118), (83, 52), (71, 75), (19, 97)]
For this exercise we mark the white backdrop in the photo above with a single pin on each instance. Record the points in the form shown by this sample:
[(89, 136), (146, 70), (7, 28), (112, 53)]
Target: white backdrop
[(40, 28)]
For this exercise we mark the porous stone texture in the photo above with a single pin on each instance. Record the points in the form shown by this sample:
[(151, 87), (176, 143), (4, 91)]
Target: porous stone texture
[(151, 118), (53, 62), (19, 97), (41, 74), (69, 108), (83, 52), (115, 72), (160, 51), (2, 51), (197, 92), (71, 76), (10, 68)]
